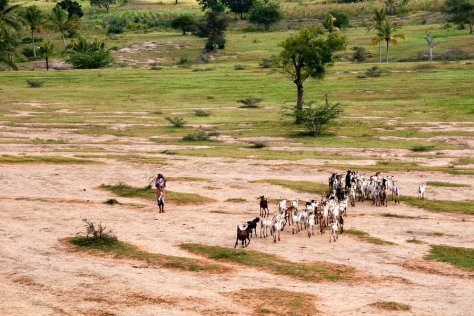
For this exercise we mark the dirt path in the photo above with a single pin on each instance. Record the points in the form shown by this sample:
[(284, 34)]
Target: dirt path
[(42, 203)]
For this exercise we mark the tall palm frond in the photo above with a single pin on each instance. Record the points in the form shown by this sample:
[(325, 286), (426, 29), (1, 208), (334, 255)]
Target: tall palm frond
[(7, 15)]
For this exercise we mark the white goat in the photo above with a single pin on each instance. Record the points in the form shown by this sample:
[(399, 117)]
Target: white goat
[(265, 224), (282, 206), (421, 191), (277, 227), (310, 225), (334, 229)]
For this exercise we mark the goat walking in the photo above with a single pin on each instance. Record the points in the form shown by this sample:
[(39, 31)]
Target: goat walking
[(421, 191), (264, 211)]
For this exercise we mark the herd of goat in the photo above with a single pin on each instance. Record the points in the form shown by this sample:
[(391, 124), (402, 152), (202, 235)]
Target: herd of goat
[(327, 212)]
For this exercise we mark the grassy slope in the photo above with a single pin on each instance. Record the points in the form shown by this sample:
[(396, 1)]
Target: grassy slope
[(458, 256), (466, 207)]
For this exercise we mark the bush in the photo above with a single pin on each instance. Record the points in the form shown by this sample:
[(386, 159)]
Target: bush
[(116, 25), (176, 121), (342, 19), (200, 112), (94, 231), (201, 136), (316, 119), (421, 148), (240, 67), (27, 40), (265, 13), (359, 54), (28, 52), (266, 63), (34, 83), (374, 71), (257, 145), (250, 102), (85, 54), (184, 23)]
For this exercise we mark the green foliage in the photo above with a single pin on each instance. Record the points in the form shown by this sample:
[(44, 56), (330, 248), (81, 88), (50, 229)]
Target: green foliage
[(316, 119), (460, 12), (386, 33), (312, 272), (458, 256), (8, 17), (201, 113), (266, 63), (184, 23), (176, 121), (85, 54), (240, 67), (200, 136), (265, 13), (258, 145), (396, 7), (34, 19), (446, 184), (250, 102), (359, 54), (102, 4), (116, 25), (366, 237), (212, 5), (213, 26), (72, 7), (46, 51), (111, 202), (12, 159), (8, 47), (239, 6), (342, 19), (374, 71)]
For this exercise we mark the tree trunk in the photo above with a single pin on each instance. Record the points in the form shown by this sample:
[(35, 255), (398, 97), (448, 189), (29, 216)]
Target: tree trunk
[(47, 63), (64, 40), (33, 42), (176, 2), (431, 52), (387, 50), (380, 52), (299, 93), (470, 28)]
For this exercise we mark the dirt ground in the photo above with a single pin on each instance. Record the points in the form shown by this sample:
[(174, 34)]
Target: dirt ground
[(42, 203)]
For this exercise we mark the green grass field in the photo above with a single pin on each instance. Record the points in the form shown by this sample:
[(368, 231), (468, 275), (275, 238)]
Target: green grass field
[(458, 256), (314, 271), (364, 236), (466, 207)]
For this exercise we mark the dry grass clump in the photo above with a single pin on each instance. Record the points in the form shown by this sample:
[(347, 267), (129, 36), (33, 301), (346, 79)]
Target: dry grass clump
[(391, 306)]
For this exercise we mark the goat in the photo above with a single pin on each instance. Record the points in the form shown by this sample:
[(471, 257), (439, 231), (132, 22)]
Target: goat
[(264, 225), (243, 234), (282, 206), (310, 225), (395, 194), (252, 226), (421, 191), (334, 229), (352, 196), (277, 227), (264, 211)]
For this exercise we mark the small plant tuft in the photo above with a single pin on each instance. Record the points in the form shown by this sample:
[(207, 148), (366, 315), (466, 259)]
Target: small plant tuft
[(176, 121), (111, 202), (250, 102), (201, 136), (266, 63), (257, 145), (422, 148), (34, 83), (201, 113), (240, 67)]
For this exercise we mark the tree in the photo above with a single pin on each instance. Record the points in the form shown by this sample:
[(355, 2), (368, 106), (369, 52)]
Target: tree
[(34, 18), (46, 51), (461, 12), (396, 6), (8, 17), (308, 54), (85, 54), (265, 13), (385, 32), (429, 37), (103, 4), (184, 23), (60, 21), (328, 23), (213, 26), (239, 6), (378, 18), (72, 8), (8, 44), (211, 5)]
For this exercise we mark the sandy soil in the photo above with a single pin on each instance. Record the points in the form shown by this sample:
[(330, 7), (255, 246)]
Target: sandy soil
[(40, 204)]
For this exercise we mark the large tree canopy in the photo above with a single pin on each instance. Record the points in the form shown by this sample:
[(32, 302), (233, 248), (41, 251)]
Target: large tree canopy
[(461, 12), (309, 53)]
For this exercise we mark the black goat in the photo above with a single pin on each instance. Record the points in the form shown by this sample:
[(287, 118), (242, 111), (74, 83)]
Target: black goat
[(252, 225), (264, 211), (242, 235)]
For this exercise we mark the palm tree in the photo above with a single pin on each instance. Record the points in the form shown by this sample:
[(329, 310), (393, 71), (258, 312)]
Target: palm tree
[(377, 19), (7, 16), (60, 21), (46, 51), (34, 18), (8, 44), (328, 23), (386, 33)]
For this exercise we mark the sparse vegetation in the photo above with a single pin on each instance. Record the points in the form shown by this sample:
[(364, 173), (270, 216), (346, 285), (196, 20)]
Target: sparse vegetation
[(111, 202), (361, 235), (300, 186), (176, 121), (148, 193), (250, 102), (43, 159), (422, 148), (414, 241), (458, 256), (391, 306), (236, 200), (201, 113), (312, 272), (447, 184), (34, 83), (466, 206)]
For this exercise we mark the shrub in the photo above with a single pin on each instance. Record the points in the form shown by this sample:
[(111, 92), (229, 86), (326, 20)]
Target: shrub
[(85, 54), (200, 112), (239, 67), (374, 71), (183, 60), (250, 102), (316, 119), (184, 23), (257, 145), (201, 136), (28, 53), (34, 83), (421, 148), (116, 25), (94, 231), (176, 121), (111, 202), (359, 54), (342, 19), (265, 13), (266, 63)]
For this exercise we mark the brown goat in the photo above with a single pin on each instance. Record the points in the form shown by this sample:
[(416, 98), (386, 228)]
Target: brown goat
[(264, 211), (244, 236)]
